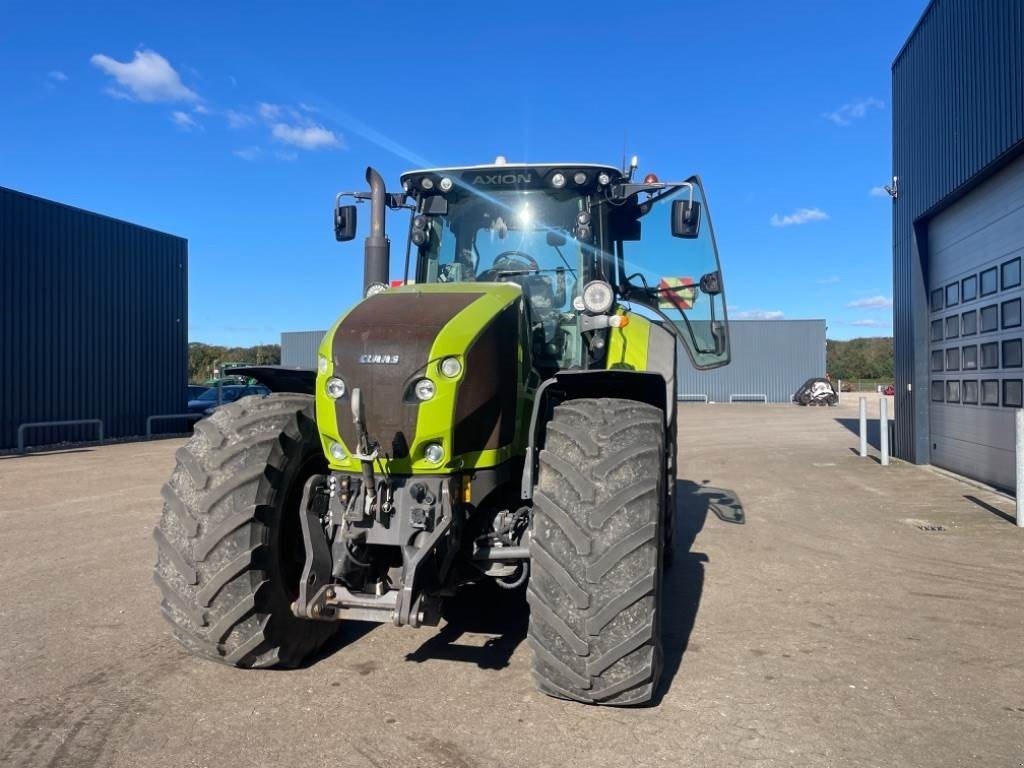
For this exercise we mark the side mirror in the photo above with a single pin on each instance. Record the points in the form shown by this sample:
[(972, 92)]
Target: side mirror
[(344, 223), (685, 218), (555, 239)]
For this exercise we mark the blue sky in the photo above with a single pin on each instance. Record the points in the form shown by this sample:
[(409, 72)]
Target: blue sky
[(233, 125)]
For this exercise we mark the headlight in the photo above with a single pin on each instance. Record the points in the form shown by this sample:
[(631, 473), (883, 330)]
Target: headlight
[(603, 178), (433, 453), (337, 452), (335, 388), (321, 364), (424, 389), (451, 367), (598, 297)]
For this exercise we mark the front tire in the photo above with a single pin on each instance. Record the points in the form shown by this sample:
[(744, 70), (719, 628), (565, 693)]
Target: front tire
[(229, 542), (596, 553)]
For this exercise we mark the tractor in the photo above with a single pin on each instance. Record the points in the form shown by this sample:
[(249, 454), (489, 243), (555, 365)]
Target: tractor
[(504, 413)]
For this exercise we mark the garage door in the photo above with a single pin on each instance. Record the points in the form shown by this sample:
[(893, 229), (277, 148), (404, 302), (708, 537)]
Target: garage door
[(974, 274)]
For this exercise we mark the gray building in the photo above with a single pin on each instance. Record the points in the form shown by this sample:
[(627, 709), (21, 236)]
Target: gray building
[(770, 360), (299, 348), (93, 322), (958, 236)]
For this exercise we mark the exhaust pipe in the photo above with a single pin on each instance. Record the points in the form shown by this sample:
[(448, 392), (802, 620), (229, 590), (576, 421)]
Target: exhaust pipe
[(377, 249)]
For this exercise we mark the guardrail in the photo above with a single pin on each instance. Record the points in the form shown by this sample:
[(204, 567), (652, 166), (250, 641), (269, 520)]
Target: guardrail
[(692, 398), (748, 398), (168, 417), (70, 422)]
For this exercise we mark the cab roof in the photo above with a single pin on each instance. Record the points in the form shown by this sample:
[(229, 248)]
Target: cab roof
[(542, 168)]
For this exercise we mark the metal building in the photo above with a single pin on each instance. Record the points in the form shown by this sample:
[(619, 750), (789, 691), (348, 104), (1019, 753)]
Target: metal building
[(958, 236), (299, 348), (93, 322), (770, 360)]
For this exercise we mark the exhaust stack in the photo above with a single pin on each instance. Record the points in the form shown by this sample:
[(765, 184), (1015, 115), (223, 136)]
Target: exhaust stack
[(377, 249)]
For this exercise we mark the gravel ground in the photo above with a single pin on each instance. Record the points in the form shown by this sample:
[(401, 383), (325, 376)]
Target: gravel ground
[(859, 615)]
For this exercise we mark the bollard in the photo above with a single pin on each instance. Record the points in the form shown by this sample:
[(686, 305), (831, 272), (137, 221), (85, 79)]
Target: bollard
[(1019, 417), (863, 427), (883, 428)]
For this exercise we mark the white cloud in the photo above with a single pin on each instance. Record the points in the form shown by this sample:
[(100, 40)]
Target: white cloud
[(183, 120), (57, 75), (878, 192), (871, 302), (269, 111), (147, 77), (286, 156), (847, 113), (799, 216), (305, 136), (248, 153), (831, 280), (238, 119), (870, 324), (200, 109), (758, 314)]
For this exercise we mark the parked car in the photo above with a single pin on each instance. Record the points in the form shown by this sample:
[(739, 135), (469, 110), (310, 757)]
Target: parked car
[(194, 391), (816, 392), (207, 402)]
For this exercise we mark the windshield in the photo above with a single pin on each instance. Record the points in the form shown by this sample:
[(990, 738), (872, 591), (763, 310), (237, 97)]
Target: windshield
[(524, 237), (502, 235)]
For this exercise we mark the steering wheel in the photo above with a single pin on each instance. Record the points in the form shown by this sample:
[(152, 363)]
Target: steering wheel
[(524, 260)]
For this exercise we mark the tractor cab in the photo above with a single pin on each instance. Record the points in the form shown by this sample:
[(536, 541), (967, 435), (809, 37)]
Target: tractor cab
[(574, 237)]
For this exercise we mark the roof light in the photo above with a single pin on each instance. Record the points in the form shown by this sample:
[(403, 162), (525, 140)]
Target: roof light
[(651, 178), (500, 160), (446, 184), (580, 178), (427, 183), (558, 181), (604, 179)]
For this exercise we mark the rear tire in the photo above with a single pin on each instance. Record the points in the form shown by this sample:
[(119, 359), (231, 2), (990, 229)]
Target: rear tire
[(596, 553), (229, 542)]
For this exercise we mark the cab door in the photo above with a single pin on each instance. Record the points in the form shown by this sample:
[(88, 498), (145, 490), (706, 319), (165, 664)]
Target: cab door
[(669, 265)]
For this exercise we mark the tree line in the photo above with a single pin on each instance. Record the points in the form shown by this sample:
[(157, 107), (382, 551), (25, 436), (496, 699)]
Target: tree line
[(869, 358), (203, 358)]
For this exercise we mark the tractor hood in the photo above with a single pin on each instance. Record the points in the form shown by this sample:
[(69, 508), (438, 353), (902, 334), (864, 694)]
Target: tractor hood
[(389, 342)]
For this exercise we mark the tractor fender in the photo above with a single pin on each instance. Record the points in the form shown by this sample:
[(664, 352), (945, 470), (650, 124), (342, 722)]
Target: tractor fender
[(279, 378), (643, 386)]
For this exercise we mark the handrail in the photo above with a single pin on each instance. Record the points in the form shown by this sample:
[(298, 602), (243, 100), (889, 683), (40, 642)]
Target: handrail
[(36, 424), (168, 417)]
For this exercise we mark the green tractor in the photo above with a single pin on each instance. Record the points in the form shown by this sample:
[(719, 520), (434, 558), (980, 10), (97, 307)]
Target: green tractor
[(505, 413)]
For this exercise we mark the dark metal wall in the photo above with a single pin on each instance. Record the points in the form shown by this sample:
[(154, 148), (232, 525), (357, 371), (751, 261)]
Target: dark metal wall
[(299, 348), (958, 117), (769, 357), (93, 321)]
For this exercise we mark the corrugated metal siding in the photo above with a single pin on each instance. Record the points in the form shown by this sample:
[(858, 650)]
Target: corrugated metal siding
[(769, 357), (958, 116), (299, 348), (93, 320)]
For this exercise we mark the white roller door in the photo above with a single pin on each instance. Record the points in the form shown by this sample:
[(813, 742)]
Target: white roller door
[(974, 275)]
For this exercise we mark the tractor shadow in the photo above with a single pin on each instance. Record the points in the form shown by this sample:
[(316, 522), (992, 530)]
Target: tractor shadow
[(684, 579), (476, 611)]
